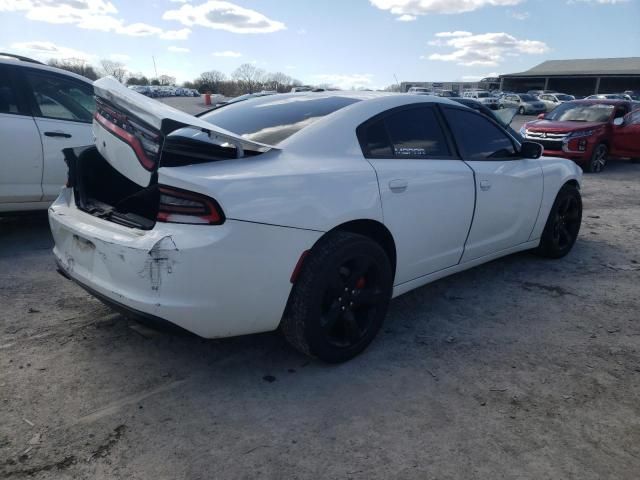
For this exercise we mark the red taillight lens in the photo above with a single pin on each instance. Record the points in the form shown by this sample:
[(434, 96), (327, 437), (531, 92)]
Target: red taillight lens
[(181, 206), (144, 142)]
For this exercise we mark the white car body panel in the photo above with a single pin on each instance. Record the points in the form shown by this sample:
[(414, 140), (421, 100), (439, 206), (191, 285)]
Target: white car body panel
[(508, 200), (54, 173), (436, 192), (20, 181), (556, 173), (174, 269), (32, 167), (235, 278)]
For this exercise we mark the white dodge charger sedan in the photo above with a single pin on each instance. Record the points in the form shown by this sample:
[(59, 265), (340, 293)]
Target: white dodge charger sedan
[(306, 212)]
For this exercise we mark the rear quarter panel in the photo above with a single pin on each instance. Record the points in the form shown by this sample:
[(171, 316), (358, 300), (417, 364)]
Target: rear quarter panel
[(317, 180)]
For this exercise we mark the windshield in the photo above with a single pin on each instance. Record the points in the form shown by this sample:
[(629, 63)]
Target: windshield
[(577, 112), (528, 98), (483, 95), (564, 98), (272, 119)]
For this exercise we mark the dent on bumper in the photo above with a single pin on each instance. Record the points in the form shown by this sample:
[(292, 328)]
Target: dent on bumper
[(218, 281)]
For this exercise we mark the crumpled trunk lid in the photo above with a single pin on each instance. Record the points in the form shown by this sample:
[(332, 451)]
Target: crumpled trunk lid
[(130, 131)]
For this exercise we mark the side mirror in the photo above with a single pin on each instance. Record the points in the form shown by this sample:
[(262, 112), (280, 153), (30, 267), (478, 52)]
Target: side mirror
[(531, 150), (541, 116), (618, 122)]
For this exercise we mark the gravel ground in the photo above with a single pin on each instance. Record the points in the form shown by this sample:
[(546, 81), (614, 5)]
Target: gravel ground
[(523, 368)]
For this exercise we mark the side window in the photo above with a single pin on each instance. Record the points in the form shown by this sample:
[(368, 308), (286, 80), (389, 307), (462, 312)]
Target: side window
[(375, 140), (634, 118), (406, 133), (477, 137), (8, 95), (61, 98)]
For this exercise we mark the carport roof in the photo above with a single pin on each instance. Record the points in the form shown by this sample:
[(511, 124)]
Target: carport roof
[(586, 66)]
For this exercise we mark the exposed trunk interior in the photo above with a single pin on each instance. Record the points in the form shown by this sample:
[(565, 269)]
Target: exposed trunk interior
[(103, 192)]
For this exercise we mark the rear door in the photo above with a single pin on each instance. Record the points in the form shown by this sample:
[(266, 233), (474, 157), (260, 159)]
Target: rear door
[(21, 150), (427, 192), (63, 110), (626, 137), (509, 188)]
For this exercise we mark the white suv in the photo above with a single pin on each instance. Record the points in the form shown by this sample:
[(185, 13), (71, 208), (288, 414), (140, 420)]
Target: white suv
[(42, 111), (483, 97)]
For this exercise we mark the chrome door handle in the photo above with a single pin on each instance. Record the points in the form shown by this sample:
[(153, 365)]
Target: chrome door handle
[(399, 185), (485, 185)]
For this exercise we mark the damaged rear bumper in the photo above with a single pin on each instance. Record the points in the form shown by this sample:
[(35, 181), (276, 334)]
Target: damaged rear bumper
[(214, 281)]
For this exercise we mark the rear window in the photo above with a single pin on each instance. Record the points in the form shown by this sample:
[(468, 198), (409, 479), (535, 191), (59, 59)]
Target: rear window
[(274, 118)]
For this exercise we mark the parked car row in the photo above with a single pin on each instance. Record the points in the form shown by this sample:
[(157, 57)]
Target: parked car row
[(155, 91)]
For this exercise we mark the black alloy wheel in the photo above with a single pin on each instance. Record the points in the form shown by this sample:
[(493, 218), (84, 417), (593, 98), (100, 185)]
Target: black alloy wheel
[(563, 224), (598, 159), (340, 298)]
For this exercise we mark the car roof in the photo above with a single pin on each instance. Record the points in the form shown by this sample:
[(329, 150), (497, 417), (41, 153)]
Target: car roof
[(35, 65), (603, 101)]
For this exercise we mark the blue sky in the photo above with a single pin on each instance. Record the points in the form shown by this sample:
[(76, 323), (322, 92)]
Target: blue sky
[(348, 43)]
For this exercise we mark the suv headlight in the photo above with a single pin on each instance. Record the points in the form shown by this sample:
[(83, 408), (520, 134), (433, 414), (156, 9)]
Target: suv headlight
[(582, 133)]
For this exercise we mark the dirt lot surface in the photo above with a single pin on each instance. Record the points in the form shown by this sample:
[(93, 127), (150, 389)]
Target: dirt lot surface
[(523, 368)]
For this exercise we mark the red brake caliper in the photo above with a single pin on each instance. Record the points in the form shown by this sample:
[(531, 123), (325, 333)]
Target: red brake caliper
[(360, 283)]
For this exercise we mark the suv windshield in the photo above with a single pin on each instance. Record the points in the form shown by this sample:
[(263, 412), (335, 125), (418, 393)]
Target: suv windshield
[(274, 118), (564, 98), (528, 98), (580, 112), (483, 95)]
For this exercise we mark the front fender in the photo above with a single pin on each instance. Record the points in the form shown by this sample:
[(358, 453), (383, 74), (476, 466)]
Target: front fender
[(556, 173)]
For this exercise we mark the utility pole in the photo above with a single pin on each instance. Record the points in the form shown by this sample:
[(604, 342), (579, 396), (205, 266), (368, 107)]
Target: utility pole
[(154, 65)]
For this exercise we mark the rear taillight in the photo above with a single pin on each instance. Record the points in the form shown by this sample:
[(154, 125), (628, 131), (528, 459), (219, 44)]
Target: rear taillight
[(181, 206), (144, 142)]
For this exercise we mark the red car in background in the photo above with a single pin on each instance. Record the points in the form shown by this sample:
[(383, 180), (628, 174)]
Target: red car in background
[(589, 132)]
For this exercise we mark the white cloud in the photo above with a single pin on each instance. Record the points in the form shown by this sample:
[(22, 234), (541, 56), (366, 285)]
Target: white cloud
[(345, 81), (88, 14), (181, 34), (487, 49), (425, 7), (406, 18), (224, 15), (46, 50), (599, 2), (175, 49), (227, 53), (457, 33), (520, 15)]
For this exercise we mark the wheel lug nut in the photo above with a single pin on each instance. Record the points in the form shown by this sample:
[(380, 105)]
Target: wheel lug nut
[(339, 299), (346, 289), (351, 304), (353, 292), (344, 308)]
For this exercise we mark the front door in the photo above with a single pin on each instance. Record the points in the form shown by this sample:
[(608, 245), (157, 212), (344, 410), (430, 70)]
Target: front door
[(626, 137), (427, 192), (509, 188), (63, 109), (21, 152)]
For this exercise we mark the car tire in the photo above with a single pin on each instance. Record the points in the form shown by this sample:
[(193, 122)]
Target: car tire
[(340, 298), (563, 224), (521, 110), (598, 159)]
